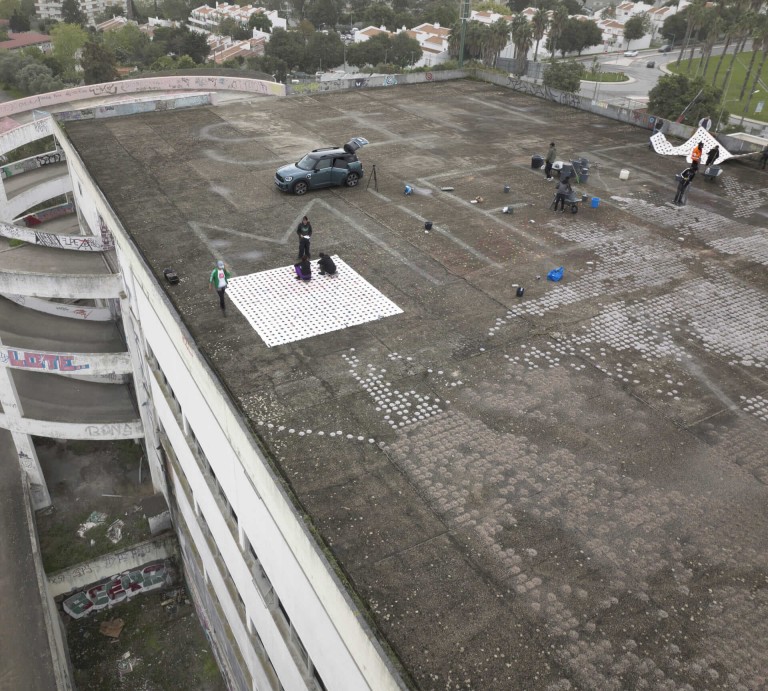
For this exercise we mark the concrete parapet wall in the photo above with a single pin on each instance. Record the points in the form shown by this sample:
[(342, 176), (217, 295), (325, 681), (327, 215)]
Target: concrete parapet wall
[(97, 314), (68, 286), (80, 364), (133, 86), (81, 575), (80, 243), (372, 82), (34, 196), (32, 163), (135, 107), (73, 430), (24, 134)]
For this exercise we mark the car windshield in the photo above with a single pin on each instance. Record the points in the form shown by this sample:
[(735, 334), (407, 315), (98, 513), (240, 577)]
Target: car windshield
[(307, 163)]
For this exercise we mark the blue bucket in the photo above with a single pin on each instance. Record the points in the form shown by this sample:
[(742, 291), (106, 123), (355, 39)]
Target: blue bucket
[(595, 202)]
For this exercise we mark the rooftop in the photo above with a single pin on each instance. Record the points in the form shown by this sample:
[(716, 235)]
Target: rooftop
[(563, 488)]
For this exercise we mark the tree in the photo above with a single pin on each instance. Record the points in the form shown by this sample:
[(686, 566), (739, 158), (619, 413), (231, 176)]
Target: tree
[(442, 12), (322, 13), (522, 35), (99, 63), (539, 24), (109, 12), (269, 65), (179, 41), (490, 6), (71, 13), (130, 45), (673, 28), (287, 46), (405, 51), (674, 92), (67, 40), (299, 7), (323, 51), (18, 22), (759, 41), (556, 28), (636, 27), (260, 22), (371, 52), (579, 34), (573, 6), (564, 76), (380, 14), (231, 27)]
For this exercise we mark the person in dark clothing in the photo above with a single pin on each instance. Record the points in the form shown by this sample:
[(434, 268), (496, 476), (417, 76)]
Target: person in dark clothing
[(303, 269), (549, 160), (765, 157), (326, 265), (564, 190), (304, 231), (684, 180), (714, 152)]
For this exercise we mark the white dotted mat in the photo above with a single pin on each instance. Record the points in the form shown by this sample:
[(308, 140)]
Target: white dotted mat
[(282, 309), (662, 146)]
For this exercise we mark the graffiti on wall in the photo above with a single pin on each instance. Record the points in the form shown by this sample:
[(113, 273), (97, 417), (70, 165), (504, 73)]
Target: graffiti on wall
[(32, 163), (123, 586), (107, 241), (132, 86), (38, 217), (84, 243), (40, 360), (115, 430)]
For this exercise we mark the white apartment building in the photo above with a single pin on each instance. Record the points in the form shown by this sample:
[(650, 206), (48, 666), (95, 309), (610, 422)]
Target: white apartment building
[(208, 18), (51, 9)]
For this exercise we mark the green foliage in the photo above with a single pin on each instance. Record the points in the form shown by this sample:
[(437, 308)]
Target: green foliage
[(439, 11), (179, 41), (673, 92), (18, 22), (636, 27), (131, 46), (490, 6), (269, 65), (260, 22), (233, 28), (674, 26), (71, 13), (322, 13), (405, 51), (370, 52), (323, 51), (287, 46), (379, 14), (577, 35), (99, 63), (109, 12), (67, 40), (564, 75)]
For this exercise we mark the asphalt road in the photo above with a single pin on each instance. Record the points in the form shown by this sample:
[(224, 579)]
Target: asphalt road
[(24, 651)]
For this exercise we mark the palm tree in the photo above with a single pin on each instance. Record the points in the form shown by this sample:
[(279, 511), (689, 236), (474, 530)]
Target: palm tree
[(498, 39), (740, 30), (692, 11), (759, 40), (714, 24), (539, 25), (556, 27), (764, 43), (523, 42)]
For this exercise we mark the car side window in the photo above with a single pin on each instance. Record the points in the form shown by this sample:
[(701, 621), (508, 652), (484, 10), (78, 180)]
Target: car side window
[(341, 163), (324, 163)]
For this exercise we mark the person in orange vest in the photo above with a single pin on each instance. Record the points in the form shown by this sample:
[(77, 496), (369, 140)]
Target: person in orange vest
[(696, 155)]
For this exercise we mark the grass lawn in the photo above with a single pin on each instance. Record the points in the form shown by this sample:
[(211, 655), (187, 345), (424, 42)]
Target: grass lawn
[(731, 101), (605, 77)]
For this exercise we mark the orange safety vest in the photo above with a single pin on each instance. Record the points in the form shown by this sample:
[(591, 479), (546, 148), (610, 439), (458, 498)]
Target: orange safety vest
[(696, 155)]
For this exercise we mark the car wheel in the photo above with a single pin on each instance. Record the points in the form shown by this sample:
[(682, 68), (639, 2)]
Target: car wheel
[(352, 180), (300, 187)]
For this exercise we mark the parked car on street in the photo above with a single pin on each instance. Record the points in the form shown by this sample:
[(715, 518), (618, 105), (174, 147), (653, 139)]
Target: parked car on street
[(666, 49), (331, 166), (631, 53)]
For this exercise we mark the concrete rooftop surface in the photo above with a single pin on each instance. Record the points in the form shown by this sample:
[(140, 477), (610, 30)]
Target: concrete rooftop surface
[(561, 491)]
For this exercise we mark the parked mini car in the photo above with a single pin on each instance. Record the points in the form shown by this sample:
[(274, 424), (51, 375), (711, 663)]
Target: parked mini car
[(331, 166), (631, 53), (666, 49), (650, 63)]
